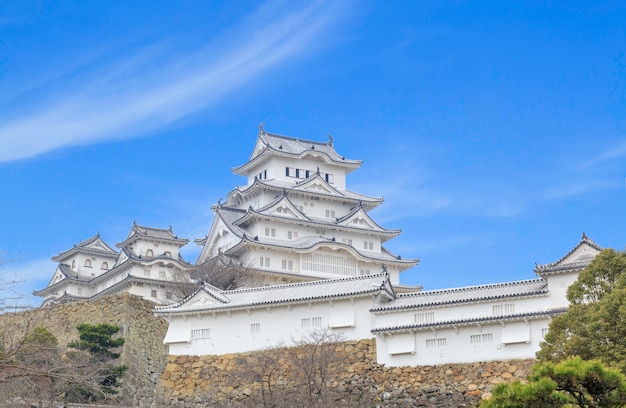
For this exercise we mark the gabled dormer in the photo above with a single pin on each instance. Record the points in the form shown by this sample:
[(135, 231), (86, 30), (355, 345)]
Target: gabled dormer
[(576, 259), (316, 183), (93, 246), (282, 206), (358, 218)]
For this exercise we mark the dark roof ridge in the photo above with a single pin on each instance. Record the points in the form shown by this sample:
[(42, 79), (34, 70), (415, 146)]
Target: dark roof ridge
[(309, 283), (469, 288)]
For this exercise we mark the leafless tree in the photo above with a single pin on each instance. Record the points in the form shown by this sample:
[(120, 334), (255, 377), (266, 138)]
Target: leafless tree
[(35, 369), (314, 357), (219, 271), (10, 299)]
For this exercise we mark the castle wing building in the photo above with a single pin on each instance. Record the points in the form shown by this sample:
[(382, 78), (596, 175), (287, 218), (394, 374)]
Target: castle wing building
[(295, 220), (477, 323), (147, 264), (212, 321)]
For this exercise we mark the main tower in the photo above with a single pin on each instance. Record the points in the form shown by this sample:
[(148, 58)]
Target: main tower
[(295, 220)]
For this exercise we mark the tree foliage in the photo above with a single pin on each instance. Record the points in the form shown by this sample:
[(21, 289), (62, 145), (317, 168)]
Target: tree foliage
[(98, 341), (594, 326), (571, 383)]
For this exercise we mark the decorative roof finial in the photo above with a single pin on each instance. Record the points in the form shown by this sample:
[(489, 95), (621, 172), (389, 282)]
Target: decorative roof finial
[(219, 202), (330, 140), (584, 236), (261, 130)]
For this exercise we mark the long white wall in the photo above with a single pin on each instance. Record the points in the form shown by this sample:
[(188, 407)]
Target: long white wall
[(465, 344), (254, 329)]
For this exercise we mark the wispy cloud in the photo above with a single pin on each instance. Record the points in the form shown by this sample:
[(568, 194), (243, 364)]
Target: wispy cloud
[(614, 152), (129, 97)]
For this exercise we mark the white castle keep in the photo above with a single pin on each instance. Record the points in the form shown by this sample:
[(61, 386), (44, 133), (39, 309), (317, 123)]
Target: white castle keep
[(318, 261)]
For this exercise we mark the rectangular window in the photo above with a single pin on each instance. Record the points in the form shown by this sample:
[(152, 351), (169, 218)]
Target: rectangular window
[(503, 310), (330, 213), (305, 323), (544, 332), (153, 293), (347, 241), (298, 173), (292, 234), (424, 318), (270, 232), (265, 262), (433, 343), (368, 245), (316, 322), (320, 231), (168, 295), (481, 338), (255, 328), (329, 178), (287, 265), (200, 334), (80, 291), (364, 272)]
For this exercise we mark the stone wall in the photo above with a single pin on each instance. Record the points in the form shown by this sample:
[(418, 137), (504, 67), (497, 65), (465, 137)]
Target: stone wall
[(197, 381), (157, 380), (144, 352)]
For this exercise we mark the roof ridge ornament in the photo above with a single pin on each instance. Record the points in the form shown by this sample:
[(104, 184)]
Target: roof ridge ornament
[(330, 140), (261, 130)]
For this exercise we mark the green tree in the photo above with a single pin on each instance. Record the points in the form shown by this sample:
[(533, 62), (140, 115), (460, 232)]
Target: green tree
[(571, 383), (594, 326), (98, 342)]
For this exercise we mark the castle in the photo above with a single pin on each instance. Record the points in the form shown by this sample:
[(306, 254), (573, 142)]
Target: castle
[(318, 261)]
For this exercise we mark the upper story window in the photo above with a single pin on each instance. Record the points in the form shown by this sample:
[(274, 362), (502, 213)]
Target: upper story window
[(149, 252), (167, 253), (427, 317), (87, 263), (506, 309), (105, 265)]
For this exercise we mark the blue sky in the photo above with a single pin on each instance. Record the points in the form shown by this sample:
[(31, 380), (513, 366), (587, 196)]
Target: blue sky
[(496, 131)]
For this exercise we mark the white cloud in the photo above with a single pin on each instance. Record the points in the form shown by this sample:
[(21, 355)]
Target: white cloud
[(127, 98)]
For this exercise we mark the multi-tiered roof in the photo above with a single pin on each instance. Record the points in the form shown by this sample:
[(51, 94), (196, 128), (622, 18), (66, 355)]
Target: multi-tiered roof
[(296, 214)]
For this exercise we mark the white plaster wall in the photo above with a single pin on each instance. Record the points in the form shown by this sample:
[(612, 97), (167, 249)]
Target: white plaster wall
[(459, 347), (232, 333), (158, 248), (558, 284)]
